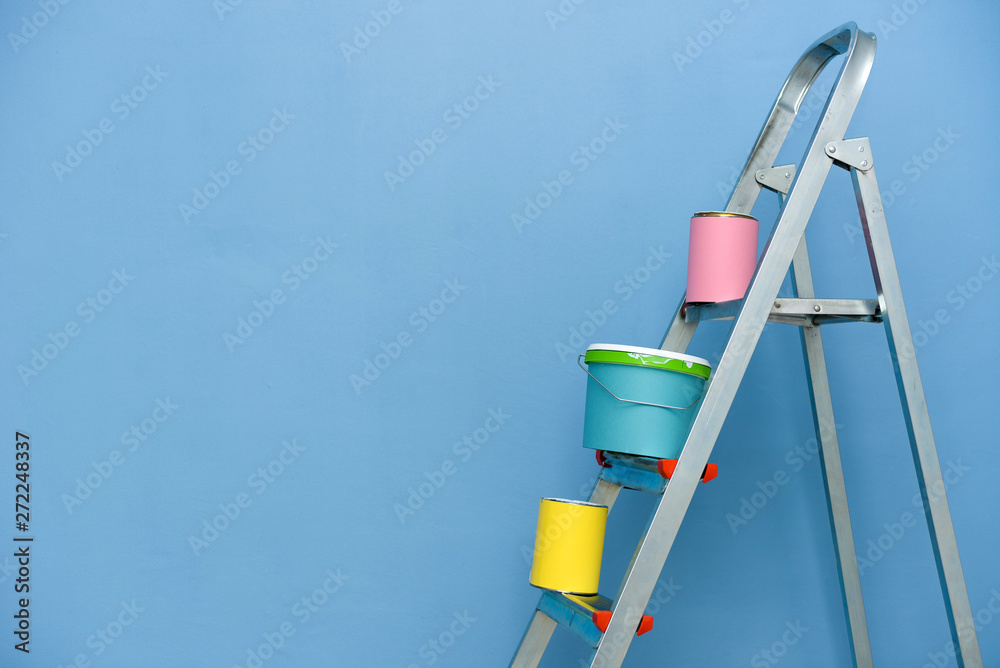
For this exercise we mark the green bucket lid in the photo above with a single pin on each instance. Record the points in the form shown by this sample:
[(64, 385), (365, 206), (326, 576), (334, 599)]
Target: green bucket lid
[(609, 353)]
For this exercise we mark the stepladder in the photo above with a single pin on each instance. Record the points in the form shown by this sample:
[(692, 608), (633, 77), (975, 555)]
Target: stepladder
[(609, 625)]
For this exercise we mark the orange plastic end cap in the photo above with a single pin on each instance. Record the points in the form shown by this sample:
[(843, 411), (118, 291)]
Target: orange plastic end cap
[(601, 619), (666, 467)]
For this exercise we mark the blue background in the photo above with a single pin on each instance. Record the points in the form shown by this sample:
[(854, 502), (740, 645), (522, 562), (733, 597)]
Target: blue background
[(345, 119)]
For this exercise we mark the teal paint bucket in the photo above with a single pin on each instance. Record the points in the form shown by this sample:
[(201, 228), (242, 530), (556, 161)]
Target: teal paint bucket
[(641, 401)]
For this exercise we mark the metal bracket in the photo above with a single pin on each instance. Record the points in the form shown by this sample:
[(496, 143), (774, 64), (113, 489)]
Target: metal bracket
[(856, 153), (778, 179)]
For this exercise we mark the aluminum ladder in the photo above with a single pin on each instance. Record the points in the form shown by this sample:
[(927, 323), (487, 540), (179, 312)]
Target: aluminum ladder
[(799, 187)]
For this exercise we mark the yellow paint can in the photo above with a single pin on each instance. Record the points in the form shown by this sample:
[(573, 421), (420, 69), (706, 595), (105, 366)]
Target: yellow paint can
[(569, 543)]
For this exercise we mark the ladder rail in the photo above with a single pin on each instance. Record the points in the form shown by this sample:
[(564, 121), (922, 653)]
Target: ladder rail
[(832, 470), (859, 48), (605, 493), (680, 332), (661, 529), (534, 641), (917, 419)]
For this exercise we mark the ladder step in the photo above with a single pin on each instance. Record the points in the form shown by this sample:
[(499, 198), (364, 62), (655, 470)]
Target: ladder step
[(586, 617), (644, 474), (793, 311)]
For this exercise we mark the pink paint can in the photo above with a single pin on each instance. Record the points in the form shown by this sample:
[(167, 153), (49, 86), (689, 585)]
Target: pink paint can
[(722, 256)]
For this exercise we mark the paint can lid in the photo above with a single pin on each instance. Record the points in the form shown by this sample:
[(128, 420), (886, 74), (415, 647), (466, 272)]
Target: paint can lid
[(611, 353)]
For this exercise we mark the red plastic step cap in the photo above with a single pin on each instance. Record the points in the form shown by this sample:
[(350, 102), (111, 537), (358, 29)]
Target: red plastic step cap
[(602, 619), (666, 468)]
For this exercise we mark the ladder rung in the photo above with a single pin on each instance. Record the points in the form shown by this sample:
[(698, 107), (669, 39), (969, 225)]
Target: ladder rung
[(586, 617), (793, 311), (644, 474)]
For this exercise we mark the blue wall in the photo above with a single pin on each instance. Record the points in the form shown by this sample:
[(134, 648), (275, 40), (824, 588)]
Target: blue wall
[(251, 364)]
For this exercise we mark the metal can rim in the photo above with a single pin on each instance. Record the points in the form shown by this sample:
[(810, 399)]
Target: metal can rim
[(575, 503), (723, 214)]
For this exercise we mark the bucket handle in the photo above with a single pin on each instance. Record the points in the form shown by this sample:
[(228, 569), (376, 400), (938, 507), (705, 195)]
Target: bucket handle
[(579, 360)]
